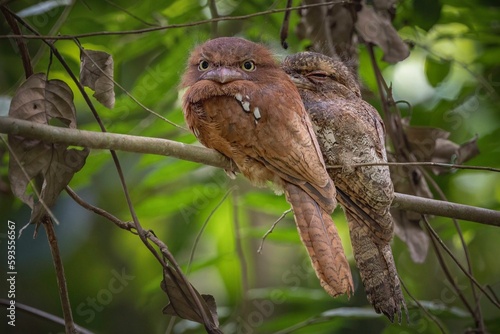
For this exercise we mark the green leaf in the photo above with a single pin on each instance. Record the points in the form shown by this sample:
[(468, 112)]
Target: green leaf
[(426, 13), (436, 70)]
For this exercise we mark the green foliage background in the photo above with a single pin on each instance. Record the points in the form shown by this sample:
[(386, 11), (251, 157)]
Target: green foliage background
[(456, 50)]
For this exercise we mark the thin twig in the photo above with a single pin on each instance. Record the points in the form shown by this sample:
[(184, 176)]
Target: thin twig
[(325, 317), (205, 224), (477, 313), (259, 250), (61, 278), (427, 313), (171, 323), (54, 29), (215, 15), (285, 25), (493, 293), (140, 104), (471, 278), (21, 43), (241, 255), (43, 315), (446, 271), (101, 212), (299, 325), (172, 26), (129, 13)]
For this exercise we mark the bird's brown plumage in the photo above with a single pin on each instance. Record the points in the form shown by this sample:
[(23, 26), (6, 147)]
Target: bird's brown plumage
[(350, 131), (239, 102)]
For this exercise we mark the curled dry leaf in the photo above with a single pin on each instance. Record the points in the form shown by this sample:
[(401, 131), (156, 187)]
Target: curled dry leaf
[(330, 28), (38, 100), (432, 144), (410, 232), (425, 144), (183, 305), (374, 26), (333, 29), (410, 181), (97, 73), (51, 165)]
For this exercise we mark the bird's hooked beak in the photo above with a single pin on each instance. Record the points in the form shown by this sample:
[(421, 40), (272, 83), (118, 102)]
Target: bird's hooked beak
[(223, 75), (300, 82)]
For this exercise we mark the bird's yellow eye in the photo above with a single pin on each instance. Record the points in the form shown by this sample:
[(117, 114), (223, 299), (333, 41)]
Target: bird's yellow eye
[(248, 66), (203, 65)]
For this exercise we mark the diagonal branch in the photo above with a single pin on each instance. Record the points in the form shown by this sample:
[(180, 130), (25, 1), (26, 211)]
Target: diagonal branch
[(61, 278), (138, 144), (42, 315), (21, 43)]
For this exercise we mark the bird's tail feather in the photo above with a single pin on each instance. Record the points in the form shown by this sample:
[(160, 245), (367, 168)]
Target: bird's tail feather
[(377, 268), (321, 239)]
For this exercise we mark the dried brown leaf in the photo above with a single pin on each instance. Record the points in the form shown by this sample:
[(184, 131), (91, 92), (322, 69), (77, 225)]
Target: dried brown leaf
[(447, 151), (425, 144), (37, 100), (33, 155), (181, 302), (374, 26), (432, 144), (422, 140), (62, 164), (51, 165), (97, 74), (330, 30), (384, 4), (410, 181), (410, 232)]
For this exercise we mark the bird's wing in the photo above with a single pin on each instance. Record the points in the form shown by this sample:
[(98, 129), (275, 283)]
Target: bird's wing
[(351, 132), (286, 143), (263, 124)]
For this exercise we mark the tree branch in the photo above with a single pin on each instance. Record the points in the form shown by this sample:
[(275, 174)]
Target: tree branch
[(112, 141), (21, 43), (173, 26), (446, 209), (69, 324), (42, 315), (137, 144)]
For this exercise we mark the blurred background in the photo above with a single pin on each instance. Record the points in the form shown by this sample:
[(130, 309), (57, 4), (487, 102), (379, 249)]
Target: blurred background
[(451, 80)]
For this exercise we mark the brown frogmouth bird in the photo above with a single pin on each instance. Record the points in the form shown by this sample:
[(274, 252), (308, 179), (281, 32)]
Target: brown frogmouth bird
[(241, 103), (350, 131)]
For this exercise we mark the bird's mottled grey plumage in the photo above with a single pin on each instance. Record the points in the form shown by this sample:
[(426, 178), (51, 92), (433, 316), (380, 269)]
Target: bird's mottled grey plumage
[(350, 131)]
